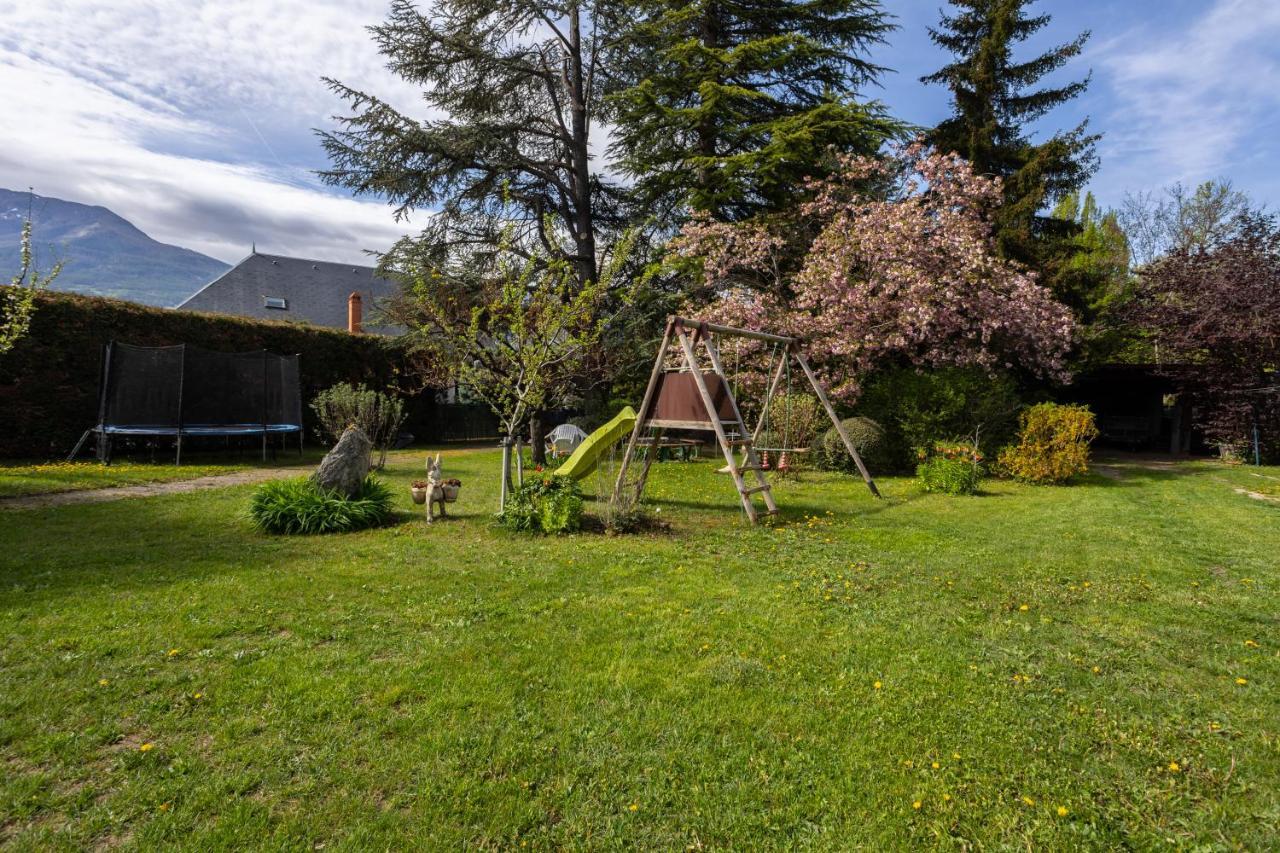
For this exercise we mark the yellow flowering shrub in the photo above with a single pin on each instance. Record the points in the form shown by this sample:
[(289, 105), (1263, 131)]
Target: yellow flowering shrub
[(1053, 444)]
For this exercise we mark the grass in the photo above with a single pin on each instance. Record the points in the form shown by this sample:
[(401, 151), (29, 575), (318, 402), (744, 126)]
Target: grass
[(1032, 667)]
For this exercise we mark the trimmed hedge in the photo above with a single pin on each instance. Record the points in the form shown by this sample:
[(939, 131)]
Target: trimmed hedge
[(49, 381)]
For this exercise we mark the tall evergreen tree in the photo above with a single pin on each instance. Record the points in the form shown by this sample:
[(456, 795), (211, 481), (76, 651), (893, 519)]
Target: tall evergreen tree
[(505, 161), (726, 106), (1097, 260), (994, 100)]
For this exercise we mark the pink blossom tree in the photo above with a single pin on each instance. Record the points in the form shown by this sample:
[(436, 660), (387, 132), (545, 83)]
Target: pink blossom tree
[(867, 277)]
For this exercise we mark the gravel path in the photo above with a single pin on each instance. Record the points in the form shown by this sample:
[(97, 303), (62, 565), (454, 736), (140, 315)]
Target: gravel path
[(146, 490)]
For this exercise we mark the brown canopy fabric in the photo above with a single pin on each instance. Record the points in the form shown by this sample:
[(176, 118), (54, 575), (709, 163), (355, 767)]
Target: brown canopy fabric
[(678, 405)]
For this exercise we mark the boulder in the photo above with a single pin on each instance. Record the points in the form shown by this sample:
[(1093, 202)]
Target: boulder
[(344, 468)]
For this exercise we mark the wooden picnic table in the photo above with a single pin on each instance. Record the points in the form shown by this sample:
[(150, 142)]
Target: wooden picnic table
[(683, 449)]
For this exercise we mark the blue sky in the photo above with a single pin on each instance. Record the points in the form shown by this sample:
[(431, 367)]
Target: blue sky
[(194, 119)]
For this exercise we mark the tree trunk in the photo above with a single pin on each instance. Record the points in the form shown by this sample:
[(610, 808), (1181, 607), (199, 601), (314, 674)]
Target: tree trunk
[(707, 137), (580, 128), (506, 473), (538, 438)]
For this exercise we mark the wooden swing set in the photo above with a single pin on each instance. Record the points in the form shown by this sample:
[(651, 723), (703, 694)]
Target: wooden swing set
[(694, 398)]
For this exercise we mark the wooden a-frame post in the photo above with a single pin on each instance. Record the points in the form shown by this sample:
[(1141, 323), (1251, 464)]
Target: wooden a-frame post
[(678, 328)]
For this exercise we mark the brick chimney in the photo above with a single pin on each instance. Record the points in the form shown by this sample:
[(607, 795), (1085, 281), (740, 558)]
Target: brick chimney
[(354, 313)]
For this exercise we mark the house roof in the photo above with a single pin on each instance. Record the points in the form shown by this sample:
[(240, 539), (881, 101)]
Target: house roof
[(313, 292)]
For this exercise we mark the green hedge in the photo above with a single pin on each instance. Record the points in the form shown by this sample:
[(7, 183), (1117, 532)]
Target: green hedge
[(49, 381)]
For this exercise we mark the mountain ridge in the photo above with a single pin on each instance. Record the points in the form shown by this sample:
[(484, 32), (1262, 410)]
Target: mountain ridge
[(103, 253)]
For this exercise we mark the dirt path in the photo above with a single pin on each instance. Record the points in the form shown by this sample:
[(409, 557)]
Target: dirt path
[(146, 490)]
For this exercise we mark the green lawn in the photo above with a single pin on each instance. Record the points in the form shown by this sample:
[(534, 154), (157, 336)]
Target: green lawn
[(1095, 666)]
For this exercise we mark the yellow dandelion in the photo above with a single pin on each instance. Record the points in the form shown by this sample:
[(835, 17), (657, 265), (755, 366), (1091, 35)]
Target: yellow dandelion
[(876, 686), (1031, 801), (164, 807), (146, 747), (1242, 681), (173, 652), (1097, 669), (916, 805), (1213, 727), (1063, 811), (1174, 767), (1250, 644), (197, 695), (1024, 608), (102, 682), (634, 807), (946, 798), (955, 756), (935, 765)]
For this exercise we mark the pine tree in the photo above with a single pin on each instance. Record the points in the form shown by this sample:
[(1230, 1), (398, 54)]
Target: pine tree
[(504, 164), (994, 101), (726, 106)]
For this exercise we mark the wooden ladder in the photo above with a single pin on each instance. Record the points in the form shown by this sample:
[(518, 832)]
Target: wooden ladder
[(745, 492)]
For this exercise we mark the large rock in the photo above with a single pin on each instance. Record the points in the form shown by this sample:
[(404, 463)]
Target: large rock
[(344, 468)]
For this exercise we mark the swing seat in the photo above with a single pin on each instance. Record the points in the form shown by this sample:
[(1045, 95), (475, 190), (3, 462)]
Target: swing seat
[(677, 403)]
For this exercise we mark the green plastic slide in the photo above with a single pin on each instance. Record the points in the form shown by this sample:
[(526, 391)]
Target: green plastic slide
[(585, 459)]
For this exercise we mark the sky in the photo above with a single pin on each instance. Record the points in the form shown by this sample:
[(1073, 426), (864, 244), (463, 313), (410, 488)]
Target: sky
[(195, 120)]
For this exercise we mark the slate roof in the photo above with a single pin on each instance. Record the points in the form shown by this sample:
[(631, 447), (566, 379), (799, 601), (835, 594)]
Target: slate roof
[(315, 292)]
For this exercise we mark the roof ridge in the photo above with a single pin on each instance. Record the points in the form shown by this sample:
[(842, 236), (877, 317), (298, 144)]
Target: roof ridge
[(308, 260)]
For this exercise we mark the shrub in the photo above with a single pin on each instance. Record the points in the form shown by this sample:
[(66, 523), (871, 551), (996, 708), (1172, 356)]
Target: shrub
[(300, 506), (795, 420), (380, 415), (917, 408), (544, 504), (952, 468), (1053, 444), (868, 439)]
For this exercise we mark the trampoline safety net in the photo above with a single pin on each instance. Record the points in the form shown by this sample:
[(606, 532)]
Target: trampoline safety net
[(185, 390)]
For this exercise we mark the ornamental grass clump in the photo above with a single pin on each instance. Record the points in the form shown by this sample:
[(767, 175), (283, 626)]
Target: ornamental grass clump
[(1053, 444), (299, 506), (952, 468)]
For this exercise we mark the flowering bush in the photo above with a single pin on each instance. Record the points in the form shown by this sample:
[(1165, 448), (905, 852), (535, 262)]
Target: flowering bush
[(912, 277), (544, 504), (1053, 444), (952, 468)]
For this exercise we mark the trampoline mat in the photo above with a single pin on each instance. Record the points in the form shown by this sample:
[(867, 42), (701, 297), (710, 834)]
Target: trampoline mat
[(198, 429)]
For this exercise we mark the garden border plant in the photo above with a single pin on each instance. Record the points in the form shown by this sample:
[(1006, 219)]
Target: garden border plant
[(950, 468), (544, 503)]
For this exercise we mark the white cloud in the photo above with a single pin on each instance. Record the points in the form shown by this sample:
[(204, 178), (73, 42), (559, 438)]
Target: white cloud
[(1197, 104), (193, 119)]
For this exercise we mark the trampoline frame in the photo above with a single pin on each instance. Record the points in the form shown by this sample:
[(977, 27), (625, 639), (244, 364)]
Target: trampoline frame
[(106, 432)]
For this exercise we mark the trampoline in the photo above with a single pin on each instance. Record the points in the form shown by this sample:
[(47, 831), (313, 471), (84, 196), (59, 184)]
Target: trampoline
[(185, 391)]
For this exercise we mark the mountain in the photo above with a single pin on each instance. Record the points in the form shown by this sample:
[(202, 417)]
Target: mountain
[(103, 254)]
